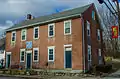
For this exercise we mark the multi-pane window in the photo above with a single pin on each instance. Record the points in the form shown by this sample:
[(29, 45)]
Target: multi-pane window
[(89, 53), (51, 53), (67, 27), (36, 32), (22, 55), (36, 54), (23, 34), (51, 30), (13, 36), (88, 28), (98, 34), (100, 56)]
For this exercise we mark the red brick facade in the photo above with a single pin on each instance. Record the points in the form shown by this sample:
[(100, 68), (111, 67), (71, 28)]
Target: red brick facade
[(59, 40)]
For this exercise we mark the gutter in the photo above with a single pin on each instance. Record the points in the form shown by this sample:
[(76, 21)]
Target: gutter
[(43, 22)]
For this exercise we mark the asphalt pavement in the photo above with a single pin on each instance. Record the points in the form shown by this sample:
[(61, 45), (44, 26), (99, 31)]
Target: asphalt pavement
[(10, 78)]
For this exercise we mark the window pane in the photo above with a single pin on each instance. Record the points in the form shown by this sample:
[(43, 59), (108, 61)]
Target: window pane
[(88, 32), (13, 38), (13, 34), (50, 33), (23, 37), (51, 27), (22, 56), (67, 25), (35, 58), (36, 35), (67, 30), (50, 57), (50, 51), (35, 52)]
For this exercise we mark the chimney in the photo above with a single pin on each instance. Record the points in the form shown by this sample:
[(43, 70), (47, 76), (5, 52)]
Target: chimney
[(29, 16)]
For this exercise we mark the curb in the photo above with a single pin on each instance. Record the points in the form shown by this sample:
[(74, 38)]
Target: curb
[(22, 76)]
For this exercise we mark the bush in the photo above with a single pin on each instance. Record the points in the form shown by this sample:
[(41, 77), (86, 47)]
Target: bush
[(104, 68), (32, 72)]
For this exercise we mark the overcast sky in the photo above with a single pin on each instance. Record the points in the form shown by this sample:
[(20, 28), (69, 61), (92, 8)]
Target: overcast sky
[(14, 11)]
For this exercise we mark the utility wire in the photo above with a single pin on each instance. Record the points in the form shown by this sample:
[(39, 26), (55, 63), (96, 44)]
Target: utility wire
[(112, 6)]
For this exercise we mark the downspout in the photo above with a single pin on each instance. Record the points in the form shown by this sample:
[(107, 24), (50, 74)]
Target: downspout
[(83, 43)]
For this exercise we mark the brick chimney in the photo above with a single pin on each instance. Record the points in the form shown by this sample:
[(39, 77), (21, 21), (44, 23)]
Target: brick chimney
[(29, 16)]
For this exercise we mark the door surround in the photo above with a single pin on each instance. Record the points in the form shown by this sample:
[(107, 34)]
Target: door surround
[(28, 52), (67, 46), (8, 53)]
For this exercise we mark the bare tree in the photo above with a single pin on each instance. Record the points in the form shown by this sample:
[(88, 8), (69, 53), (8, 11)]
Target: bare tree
[(108, 20)]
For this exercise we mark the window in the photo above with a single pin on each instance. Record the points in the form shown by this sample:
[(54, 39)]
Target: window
[(51, 53), (99, 51), (13, 36), (51, 30), (67, 27), (36, 32), (23, 34), (98, 34), (22, 55), (36, 54), (88, 28), (89, 53), (93, 15)]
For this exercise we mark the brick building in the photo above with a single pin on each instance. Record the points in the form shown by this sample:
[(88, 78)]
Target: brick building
[(69, 39)]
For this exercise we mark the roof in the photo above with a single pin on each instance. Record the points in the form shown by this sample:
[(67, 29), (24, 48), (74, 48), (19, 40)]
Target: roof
[(49, 18)]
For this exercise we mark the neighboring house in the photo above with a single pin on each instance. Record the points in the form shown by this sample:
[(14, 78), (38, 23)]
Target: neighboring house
[(2, 49), (69, 39)]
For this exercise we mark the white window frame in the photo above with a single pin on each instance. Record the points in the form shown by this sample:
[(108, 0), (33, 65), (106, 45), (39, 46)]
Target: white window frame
[(98, 34), (25, 34), (34, 54), (34, 32), (12, 35), (53, 29), (51, 47), (70, 27), (20, 55), (90, 53), (88, 28), (99, 52)]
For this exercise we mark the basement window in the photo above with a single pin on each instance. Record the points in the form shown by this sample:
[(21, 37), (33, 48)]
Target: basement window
[(36, 32), (51, 53), (67, 27), (22, 55), (35, 54), (23, 34)]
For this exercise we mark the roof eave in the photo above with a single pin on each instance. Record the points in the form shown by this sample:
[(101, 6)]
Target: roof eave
[(43, 22)]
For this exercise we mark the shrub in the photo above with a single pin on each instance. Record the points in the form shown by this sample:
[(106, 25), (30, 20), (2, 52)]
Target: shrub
[(104, 68)]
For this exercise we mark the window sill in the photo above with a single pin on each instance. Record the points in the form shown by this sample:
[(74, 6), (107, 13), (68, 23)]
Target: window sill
[(21, 61), (23, 40), (50, 36), (67, 34), (35, 61), (35, 38), (50, 61)]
